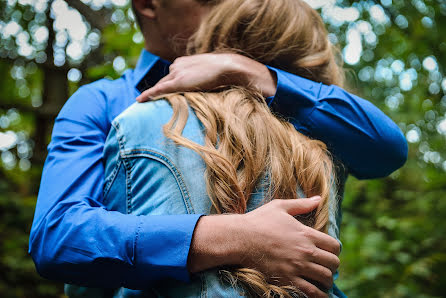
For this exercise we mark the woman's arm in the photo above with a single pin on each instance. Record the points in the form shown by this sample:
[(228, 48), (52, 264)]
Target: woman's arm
[(360, 135)]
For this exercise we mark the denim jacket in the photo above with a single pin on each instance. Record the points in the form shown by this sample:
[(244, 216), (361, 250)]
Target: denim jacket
[(146, 173)]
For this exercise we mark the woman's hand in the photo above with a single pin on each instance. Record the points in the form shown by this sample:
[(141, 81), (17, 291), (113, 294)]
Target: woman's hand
[(206, 72), (272, 241)]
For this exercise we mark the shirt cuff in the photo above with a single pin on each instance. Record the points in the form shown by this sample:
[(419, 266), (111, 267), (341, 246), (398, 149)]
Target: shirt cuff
[(162, 245)]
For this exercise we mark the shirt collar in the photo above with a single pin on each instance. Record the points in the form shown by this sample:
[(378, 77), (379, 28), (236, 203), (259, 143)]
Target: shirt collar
[(149, 70)]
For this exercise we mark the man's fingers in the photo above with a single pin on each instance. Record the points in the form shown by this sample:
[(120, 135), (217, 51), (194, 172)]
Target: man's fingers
[(325, 242), (319, 274), (300, 206), (309, 289)]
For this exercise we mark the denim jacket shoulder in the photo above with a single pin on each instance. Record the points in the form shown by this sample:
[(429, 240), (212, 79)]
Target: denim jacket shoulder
[(159, 176)]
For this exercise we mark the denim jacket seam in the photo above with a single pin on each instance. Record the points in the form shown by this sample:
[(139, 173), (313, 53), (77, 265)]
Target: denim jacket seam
[(111, 179), (128, 179), (163, 159), (127, 166)]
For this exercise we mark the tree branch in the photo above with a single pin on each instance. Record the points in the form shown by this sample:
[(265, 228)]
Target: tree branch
[(49, 112), (21, 107), (98, 19), (47, 64)]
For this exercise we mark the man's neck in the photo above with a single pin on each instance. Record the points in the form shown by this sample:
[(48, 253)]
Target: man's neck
[(161, 50)]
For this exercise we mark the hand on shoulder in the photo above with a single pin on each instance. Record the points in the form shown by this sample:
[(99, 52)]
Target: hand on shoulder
[(207, 72)]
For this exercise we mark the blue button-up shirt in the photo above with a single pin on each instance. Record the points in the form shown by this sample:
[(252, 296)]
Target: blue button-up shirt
[(76, 240)]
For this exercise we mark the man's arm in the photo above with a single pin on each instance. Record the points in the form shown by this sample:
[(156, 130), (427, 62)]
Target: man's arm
[(360, 135), (74, 239)]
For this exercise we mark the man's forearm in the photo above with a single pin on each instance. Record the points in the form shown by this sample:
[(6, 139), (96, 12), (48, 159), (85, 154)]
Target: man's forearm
[(216, 242)]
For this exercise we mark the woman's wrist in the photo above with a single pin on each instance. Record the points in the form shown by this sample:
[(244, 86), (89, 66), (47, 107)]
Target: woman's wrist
[(251, 73)]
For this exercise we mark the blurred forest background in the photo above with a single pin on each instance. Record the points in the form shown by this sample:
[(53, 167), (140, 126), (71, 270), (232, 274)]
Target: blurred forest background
[(394, 228)]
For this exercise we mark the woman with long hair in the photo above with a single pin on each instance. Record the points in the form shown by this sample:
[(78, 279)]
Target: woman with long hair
[(164, 156)]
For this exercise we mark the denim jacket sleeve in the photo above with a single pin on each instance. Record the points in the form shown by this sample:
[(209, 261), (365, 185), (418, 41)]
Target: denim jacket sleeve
[(74, 238), (360, 135)]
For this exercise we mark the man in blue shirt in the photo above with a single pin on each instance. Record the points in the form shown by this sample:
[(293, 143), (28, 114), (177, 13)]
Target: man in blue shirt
[(76, 240)]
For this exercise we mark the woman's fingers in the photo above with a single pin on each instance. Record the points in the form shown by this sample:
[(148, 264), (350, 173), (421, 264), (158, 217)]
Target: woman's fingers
[(162, 87), (298, 206), (326, 259)]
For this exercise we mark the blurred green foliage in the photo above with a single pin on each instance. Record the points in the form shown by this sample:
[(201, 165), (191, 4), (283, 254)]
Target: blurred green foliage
[(395, 53)]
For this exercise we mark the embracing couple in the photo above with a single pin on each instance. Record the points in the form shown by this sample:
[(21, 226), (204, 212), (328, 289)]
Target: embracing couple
[(226, 179)]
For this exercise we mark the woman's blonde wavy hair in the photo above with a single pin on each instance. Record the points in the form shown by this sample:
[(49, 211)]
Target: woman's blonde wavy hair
[(244, 141)]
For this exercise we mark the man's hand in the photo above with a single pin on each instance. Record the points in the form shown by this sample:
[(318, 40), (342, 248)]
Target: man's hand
[(206, 72), (271, 240)]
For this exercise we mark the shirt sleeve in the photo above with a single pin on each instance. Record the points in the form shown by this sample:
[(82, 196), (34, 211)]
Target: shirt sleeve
[(357, 133), (73, 238)]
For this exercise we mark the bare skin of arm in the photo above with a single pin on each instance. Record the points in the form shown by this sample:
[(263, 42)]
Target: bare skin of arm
[(286, 247)]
